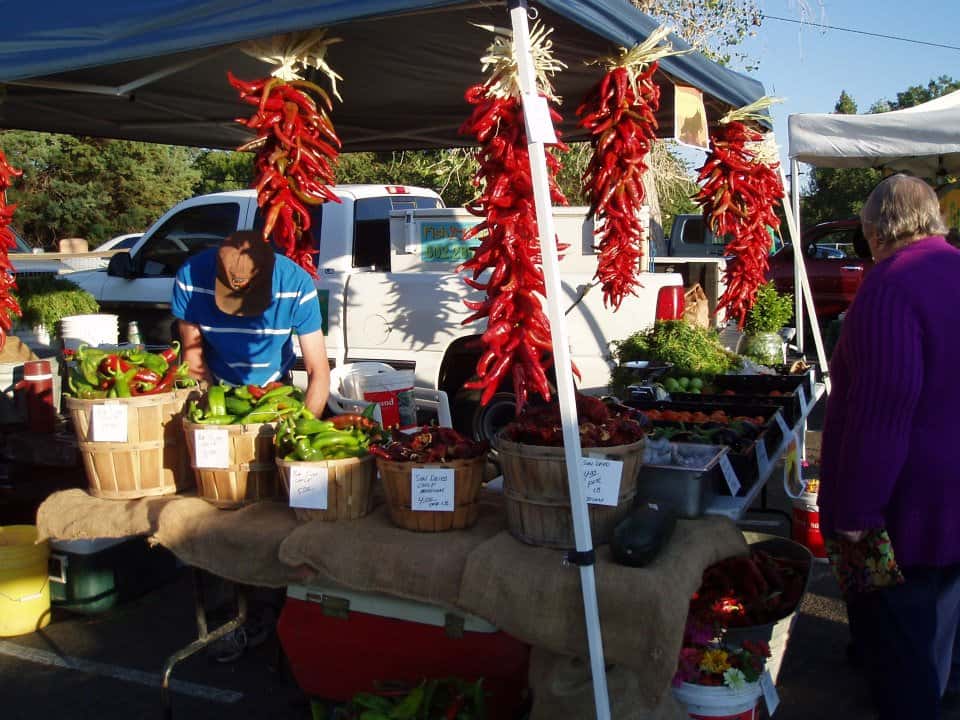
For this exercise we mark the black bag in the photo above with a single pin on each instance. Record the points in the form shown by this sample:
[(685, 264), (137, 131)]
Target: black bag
[(640, 535)]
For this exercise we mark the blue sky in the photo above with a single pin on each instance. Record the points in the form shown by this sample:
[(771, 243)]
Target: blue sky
[(809, 66)]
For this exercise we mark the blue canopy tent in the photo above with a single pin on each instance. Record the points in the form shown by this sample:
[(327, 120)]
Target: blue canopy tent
[(155, 70)]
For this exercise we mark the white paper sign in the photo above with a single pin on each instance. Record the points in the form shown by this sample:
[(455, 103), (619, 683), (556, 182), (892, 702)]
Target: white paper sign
[(770, 695), (211, 447), (729, 474), (536, 116), (601, 481), (109, 422), (308, 487), (762, 459), (432, 489)]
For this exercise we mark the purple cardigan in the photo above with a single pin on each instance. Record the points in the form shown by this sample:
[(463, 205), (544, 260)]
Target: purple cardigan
[(891, 439)]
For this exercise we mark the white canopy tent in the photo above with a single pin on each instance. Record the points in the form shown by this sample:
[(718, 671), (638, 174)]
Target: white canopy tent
[(923, 140)]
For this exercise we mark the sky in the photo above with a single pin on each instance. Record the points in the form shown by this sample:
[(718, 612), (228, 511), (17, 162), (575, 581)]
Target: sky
[(808, 65)]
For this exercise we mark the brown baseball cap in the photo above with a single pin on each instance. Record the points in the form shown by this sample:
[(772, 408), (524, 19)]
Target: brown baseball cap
[(244, 283)]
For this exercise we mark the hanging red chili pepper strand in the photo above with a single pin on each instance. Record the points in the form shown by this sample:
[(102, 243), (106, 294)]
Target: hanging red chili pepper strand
[(9, 308), (297, 150), (739, 194), (517, 340), (619, 112)]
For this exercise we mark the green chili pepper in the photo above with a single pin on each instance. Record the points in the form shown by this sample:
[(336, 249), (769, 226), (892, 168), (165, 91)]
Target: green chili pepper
[(303, 451), (121, 382), (312, 427), (237, 406), (155, 362), (259, 416), (242, 392), (195, 412), (409, 706), (218, 420), (369, 701), (279, 392), (334, 438), (216, 401), (92, 394)]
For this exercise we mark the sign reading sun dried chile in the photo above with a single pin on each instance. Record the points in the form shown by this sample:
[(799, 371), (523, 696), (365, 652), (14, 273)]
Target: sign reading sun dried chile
[(9, 308)]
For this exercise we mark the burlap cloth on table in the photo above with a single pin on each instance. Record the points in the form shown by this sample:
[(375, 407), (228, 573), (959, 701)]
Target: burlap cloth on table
[(239, 545), (372, 554), (528, 592)]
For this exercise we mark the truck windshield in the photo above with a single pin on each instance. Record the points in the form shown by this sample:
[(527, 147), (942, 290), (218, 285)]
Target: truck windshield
[(371, 228)]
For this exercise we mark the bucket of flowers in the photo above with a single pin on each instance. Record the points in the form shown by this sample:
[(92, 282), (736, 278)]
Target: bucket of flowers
[(716, 679)]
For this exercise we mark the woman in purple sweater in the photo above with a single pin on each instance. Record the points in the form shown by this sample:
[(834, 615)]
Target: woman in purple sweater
[(890, 442)]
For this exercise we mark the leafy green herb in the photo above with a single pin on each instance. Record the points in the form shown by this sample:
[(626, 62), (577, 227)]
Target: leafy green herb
[(770, 311), (691, 349), (45, 299)]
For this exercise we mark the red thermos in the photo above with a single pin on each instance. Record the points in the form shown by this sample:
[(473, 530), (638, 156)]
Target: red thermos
[(37, 385)]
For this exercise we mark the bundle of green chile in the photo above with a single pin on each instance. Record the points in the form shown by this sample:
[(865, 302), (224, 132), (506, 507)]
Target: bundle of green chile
[(95, 373), (306, 439), (248, 404)]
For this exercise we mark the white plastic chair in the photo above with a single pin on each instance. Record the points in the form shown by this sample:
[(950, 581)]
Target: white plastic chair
[(340, 403)]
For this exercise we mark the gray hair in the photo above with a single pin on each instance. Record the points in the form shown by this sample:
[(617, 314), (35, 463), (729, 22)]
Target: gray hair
[(902, 209)]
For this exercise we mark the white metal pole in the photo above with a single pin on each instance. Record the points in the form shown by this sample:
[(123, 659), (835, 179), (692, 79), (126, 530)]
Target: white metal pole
[(797, 250), (802, 284), (562, 361)]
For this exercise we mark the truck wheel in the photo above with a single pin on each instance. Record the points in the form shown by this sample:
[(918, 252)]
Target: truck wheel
[(481, 422)]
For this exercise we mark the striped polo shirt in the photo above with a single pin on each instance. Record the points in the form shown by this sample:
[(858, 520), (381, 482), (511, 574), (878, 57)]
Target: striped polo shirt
[(254, 350)]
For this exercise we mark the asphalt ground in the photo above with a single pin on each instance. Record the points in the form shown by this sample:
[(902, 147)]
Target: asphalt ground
[(107, 666)]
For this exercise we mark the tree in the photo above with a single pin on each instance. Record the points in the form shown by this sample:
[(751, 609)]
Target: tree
[(918, 94), (223, 170), (845, 105), (92, 188)]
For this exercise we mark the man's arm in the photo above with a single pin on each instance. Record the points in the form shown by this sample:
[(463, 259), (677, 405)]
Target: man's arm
[(192, 348), (314, 351)]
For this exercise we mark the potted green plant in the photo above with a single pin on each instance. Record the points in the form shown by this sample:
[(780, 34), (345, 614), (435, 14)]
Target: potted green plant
[(771, 311), (44, 300)]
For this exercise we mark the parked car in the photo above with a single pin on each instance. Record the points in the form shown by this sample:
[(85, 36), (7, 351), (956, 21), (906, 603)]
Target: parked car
[(120, 242), (837, 259)]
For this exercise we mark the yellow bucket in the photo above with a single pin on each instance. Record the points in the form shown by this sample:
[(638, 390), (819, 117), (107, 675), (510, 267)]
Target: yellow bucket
[(24, 586)]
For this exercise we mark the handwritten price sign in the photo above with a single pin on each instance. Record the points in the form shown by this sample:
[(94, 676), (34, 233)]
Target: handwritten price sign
[(308, 487), (108, 422), (601, 480), (432, 489), (211, 448)]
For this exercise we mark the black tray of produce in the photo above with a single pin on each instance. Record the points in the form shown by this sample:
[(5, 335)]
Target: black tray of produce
[(778, 390), (789, 404), (809, 375)]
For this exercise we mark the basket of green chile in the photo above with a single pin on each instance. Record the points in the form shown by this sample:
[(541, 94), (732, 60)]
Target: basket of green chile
[(230, 434), (331, 456), (126, 408)]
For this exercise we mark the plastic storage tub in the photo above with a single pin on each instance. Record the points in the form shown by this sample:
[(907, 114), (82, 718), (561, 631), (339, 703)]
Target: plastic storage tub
[(92, 576)]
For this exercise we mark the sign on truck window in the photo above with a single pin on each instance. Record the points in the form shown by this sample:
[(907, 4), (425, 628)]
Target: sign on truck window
[(442, 242)]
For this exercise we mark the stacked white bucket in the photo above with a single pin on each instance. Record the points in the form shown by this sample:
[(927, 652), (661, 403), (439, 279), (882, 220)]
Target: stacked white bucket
[(96, 330)]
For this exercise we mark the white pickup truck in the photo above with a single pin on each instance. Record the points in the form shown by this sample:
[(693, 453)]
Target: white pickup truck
[(387, 283)]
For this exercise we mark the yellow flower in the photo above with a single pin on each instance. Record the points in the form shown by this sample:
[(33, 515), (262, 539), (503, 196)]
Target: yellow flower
[(714, 661)]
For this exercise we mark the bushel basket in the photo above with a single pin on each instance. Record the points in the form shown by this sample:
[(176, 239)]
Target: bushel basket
[(149, 462), (350, 483), (537, 493), (397, 486), (250, 472)]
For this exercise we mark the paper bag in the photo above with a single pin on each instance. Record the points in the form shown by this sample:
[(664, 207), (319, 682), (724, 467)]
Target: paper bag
[(696, 307)]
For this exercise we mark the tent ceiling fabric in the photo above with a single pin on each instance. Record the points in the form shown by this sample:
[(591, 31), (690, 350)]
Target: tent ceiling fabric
[(155, 70), (923, 140)]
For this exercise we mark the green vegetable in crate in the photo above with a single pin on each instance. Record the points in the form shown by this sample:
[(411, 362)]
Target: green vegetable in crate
[(96, 373), (308, 439), (249, 404)]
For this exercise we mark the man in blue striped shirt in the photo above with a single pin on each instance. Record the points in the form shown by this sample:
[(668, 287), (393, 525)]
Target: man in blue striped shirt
[(238, 307)]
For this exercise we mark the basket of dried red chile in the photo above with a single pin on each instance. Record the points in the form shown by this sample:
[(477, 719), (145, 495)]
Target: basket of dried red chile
[(755, 597), (535, 485), (431, 478)]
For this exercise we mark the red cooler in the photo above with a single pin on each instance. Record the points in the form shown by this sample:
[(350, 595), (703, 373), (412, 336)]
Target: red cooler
[(341, 642)]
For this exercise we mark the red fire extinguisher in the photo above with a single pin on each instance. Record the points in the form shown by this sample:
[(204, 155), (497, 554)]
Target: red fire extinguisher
[(37, 386)]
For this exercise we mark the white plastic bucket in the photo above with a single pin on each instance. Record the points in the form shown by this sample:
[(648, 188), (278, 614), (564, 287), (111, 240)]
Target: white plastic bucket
[(97, 330), (392, 391), (806, 525), (705, 702)]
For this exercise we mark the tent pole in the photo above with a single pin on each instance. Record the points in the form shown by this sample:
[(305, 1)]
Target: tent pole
[(797, 261), (561, 356), (802, 283)]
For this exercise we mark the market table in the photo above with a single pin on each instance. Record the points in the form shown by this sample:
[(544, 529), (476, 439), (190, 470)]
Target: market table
[(528, 592)]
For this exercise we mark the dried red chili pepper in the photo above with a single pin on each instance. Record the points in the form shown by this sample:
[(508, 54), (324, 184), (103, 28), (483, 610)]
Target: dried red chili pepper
[(9, 308), (619, 113), (739, 193), (297, 150)]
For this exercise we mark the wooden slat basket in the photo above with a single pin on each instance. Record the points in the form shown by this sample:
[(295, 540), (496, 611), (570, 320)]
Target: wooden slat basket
[(251, 472), (149, 463), (397, 486), (350, 483), (537, 493)]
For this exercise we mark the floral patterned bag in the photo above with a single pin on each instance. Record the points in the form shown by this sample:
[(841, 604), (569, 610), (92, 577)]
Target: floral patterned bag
[(865, 565)]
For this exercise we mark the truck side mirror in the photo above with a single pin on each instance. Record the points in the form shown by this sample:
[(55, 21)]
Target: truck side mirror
[(121, 265)]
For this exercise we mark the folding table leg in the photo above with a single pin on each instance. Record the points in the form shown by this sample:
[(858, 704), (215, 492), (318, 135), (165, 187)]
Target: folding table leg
[(204, 637)]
